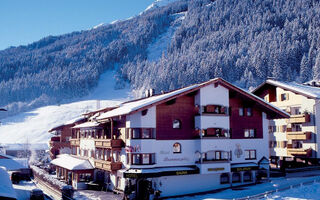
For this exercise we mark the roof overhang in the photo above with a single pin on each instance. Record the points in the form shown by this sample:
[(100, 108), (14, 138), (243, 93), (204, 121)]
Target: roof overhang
[(272, 83)]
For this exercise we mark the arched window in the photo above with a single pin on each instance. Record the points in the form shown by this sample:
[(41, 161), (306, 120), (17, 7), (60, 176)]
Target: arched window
[(176, 124), (247, 177), (224, 178), (176, 147)]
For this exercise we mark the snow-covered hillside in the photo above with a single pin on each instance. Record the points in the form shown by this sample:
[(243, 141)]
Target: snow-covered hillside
[(159, 3), (33, 126)]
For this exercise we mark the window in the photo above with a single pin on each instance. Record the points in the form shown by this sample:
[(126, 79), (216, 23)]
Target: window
[(145, 159), (249, 112), (236, 177), (241, 111), (284, 96), (136, 159), (141, 159), (250, 154), (247, 176), (249, 133), (176, 148), (140, 133), (296, 127), (135, 133), (144, 112), (176, 124), (224, 178), (295, 111)]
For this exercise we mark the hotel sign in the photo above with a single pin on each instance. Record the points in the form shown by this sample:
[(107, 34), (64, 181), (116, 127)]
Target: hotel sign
[(239, 169), (215, 169)]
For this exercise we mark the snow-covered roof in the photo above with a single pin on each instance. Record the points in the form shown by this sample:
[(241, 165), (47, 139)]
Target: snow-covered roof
[(6, 189), (72, 163), (72, 121), (87, 125), (75, 120), (306, 90), (11, 164), (129, 107)]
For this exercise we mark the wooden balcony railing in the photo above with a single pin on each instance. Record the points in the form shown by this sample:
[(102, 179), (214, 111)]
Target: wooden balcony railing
[(215, 133), (107, 165), (299, 135), (299, 152), (304, 118), (108, 143), (75, 142)]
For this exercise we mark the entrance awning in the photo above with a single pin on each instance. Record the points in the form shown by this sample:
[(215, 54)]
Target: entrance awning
[(244, 167), (160, 171)]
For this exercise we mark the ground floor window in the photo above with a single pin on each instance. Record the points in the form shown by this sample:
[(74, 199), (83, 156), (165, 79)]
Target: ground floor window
[(236, 178), (247, 176), (224, 178)]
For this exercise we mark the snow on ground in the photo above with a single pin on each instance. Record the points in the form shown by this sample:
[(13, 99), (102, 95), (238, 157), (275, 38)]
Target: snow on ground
[(106, 88), (275, 183), (32, 127), (23, 189), (305, 192), (96, 195), (160, 45)]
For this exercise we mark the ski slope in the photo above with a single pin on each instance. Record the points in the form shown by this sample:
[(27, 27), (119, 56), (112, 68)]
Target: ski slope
[(32, 127)]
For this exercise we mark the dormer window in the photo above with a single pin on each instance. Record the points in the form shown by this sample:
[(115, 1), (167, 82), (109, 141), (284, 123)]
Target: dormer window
[(176, 124)]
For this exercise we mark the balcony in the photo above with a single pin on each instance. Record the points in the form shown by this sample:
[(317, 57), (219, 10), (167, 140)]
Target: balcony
[(107, 165), (298, 151), (304, 118), (75, 141), (299, 135), (213, 110), (108, 143), (215, 133)]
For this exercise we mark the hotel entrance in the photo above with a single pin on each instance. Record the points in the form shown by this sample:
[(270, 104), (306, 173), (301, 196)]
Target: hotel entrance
[(144, 188)]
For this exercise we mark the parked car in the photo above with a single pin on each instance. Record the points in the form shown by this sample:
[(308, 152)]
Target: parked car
[(15, 176), (36, 194)]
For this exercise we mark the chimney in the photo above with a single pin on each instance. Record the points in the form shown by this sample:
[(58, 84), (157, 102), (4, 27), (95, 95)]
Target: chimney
[(147, 93), (151, 92)]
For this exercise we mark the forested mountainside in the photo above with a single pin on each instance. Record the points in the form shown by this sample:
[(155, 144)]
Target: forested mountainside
[(243, 41)]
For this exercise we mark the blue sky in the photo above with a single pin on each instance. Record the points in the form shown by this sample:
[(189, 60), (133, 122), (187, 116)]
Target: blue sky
[(25, 21)]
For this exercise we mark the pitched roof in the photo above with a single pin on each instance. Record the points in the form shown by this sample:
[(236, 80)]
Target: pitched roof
[(306, 90), (138, 105)]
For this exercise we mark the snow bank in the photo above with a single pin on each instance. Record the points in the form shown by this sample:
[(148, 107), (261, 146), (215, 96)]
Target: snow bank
[(6, 189), (42, 174)]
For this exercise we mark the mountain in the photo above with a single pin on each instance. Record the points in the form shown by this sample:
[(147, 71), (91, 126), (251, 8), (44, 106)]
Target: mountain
[(170, 45)]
